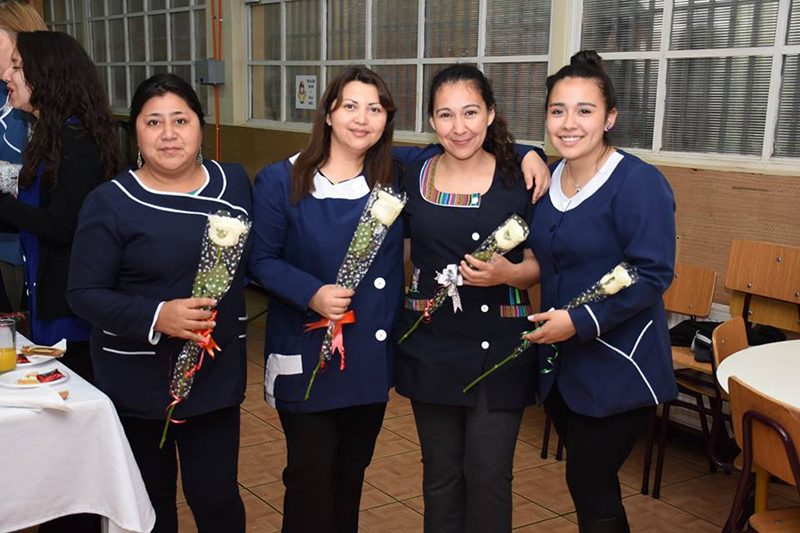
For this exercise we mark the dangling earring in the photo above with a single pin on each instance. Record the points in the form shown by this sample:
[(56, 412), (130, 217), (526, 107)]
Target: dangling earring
[(199, 157), (139, 160)]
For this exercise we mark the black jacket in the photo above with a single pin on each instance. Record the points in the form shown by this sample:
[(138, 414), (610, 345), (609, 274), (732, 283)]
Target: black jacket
[(55, 220)]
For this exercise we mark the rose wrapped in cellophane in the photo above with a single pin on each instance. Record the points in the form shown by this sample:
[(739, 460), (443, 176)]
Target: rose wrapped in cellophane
[(382, 209), (223, 245), (502, 240), (620, 277)]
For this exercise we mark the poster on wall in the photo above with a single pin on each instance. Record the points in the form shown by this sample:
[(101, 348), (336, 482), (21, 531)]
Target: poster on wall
[(305, 92)]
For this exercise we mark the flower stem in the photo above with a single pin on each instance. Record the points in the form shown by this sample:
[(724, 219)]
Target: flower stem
[(410, 331), (311, 381), (524, 345), (166, 426)]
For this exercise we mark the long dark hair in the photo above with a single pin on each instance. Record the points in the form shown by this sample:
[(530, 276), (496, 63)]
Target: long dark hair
[(161, 84), (63, 82), (586, 64), (499, 141), (378, 160)]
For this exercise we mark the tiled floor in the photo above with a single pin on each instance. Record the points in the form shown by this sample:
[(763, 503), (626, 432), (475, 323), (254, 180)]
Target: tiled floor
[(692, 498)]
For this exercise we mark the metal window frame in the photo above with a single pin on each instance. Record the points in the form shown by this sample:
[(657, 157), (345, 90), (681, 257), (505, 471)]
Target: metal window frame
[(778, 52), (420, 61)]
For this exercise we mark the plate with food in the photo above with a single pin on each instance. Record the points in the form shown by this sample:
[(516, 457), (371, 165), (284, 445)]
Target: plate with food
[(25, 361), (29, 379)]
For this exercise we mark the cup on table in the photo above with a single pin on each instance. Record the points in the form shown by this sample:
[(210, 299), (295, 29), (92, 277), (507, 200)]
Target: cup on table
[(8, 348)]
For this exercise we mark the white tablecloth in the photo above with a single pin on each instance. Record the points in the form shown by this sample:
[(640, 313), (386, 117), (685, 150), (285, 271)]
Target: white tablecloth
[(772, 369), (54, 463)]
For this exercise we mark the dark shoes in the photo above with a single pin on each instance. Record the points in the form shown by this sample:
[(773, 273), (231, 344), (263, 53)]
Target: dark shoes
[(617, 524)]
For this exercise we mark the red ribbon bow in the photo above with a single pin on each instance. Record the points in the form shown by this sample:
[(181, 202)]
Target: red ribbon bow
[(337, 342)]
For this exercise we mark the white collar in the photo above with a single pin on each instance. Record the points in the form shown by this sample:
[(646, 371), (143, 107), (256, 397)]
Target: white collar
[(563, 203), (351, 189)]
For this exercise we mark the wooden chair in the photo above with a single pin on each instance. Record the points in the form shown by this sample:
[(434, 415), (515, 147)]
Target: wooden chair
[(691, 293), (768, 431)]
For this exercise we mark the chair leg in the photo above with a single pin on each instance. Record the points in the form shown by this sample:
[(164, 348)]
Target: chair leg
[(559, 449), (741, 508), (707, 435), (648, 452), (662, 446), (548, 422)]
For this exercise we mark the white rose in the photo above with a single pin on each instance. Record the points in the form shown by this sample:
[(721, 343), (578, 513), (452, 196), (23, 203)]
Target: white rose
[(616, 280), (386, 208), (509, 235), (225, 231)]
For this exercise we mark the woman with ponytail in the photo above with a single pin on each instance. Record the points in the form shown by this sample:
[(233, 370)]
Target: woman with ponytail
[(613, 364), (456, 200)]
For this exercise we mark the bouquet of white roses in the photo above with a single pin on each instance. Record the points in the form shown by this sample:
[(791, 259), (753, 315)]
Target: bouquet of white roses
[(222, 249), (621, 276), (502, 240), (382, 209)]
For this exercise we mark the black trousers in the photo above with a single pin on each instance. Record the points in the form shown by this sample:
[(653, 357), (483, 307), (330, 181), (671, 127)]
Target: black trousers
[(209, 452), (596, 449), (467, 459), (327, 454)]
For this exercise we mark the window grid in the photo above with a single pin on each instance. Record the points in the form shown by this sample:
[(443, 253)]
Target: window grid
[(368, 58), (83, 22), (778, 54)]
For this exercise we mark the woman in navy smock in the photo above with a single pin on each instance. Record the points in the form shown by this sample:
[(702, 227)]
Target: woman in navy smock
[(134, 262), (614, 363), (455, 201), (73, 149)]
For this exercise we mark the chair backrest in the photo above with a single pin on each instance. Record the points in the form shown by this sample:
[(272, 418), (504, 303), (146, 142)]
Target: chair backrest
[(765, 280), (691, 291), (774, 431), (728, 338)]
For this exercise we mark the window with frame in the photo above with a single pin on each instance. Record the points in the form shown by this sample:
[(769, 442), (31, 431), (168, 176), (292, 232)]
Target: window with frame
[(702, 76), (406, 42), (132, 40)]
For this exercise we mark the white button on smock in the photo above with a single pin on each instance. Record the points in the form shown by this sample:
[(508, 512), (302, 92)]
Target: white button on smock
[(485, 345), (476, 236), (484, 308), (379, 283), (380, 335)]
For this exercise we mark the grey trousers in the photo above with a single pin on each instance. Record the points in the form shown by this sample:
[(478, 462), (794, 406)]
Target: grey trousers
[(467, 456)]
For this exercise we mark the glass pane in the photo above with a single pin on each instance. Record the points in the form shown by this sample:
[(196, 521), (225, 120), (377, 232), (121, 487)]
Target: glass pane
[(59, 12), (158, 69), (716, 104), (265, 31), (158, 37), (99, 41), (293, 114), (200, 34), (119, 83), (157, 4), (116, 32), (135, 6), (787, 136), (114, 7), (138, 74), (346, 29), (266, 93), (204, 93), (97, 8), (402, 82), (723, 24), (519, 91), (635, 85), (518, 28), (184, 71), (793, 33), (622, 25), (180, 3), (181, 40), (136, 46), (394, 29), (78, 32), (451, 28), (302, 30), (101, 73)]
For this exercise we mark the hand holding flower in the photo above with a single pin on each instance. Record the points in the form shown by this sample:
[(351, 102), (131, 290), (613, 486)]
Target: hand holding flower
[(496, 271), (556, 326), (331, 301), (183, 318)]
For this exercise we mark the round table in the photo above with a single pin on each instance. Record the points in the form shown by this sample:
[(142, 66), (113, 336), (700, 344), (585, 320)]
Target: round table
[(771, 369)]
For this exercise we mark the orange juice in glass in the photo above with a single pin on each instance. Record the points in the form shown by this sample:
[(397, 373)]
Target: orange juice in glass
[(8, 349)]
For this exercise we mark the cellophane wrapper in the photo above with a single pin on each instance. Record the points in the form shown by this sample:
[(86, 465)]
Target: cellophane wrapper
[(489, 246)]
